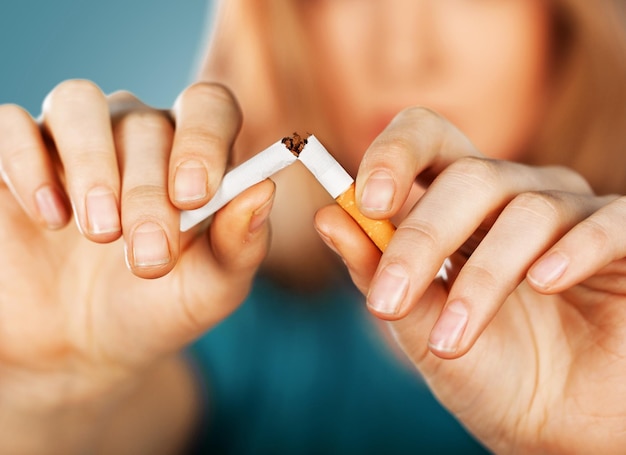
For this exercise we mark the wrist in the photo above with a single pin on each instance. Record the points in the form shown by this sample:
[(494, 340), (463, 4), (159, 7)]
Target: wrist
[(53, 413), (152, 412)]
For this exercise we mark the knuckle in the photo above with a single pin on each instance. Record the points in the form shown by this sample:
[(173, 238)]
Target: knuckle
[(209, 90), (572, 180), (421, 233), (599, 228), (424, 119), (148, 120), (442, 136), (13, 112), (210, 93), (620, 204), (597, 233), (91, 155), (486, 171), (73, 89), (421, 114), (123, 95), (204, 99), (391, 147), (539, 204), (15, 160), (480, 276), (251, 257), (122, 101), (197, 138), (145, 196), (537, 201)]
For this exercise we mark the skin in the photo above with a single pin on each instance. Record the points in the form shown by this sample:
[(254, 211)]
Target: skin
[(536, 313), (108, 308), (521, 342), (440, 55)]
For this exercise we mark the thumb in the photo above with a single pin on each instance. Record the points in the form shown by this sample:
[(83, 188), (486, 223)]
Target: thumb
[(217, 267)]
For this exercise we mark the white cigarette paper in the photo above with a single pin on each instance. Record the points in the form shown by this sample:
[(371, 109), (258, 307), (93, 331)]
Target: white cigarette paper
[(313, 155), (325, 168), (249, 173)]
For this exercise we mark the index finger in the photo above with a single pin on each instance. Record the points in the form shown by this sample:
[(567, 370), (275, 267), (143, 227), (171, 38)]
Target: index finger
[(418, 143), (207, 119)]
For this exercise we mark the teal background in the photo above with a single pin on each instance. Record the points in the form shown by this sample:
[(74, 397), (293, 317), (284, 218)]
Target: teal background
[(150, 47)]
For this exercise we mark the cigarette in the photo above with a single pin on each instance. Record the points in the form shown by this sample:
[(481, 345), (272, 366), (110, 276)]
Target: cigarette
[(340, 186), (261, 166)]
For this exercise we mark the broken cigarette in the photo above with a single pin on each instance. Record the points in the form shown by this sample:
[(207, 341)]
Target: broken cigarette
[(278, 156), (340, 186), (261, 166), (308, 150)]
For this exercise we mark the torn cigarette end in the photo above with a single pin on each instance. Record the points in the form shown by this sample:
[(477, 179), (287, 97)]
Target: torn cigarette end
[(295, 143), (340, 186), (379, 231)]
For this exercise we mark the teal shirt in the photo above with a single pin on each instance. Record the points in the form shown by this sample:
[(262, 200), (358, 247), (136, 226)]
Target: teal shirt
[(295, 373)]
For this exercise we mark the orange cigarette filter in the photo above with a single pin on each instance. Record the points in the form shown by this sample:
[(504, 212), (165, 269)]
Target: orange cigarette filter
[(339, 185), (379, 231)]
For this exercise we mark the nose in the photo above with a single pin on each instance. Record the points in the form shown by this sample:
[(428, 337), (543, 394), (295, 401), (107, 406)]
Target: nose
[(405, 50)]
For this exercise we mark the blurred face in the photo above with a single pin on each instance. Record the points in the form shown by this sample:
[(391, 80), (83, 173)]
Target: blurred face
[(483, 64)]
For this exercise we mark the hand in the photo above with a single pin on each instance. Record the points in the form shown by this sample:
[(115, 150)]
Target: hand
[(78, 316), (524, 341)]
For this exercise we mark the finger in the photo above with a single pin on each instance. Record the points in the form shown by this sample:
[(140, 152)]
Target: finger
[(523, 231), (344, 236), (243, 221), (457, 203), (76, 116), (27, 169), (590, 246), (121, 102), (143, 138), (416, 140), (207, 120)]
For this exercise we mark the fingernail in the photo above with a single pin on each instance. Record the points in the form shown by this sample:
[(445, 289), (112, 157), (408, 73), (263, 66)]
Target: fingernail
[(260, 215), (50, 205), (190, 181), (549, 269), (150, 247), (378, 192), (389, 290), (449, 329), (102, 213)]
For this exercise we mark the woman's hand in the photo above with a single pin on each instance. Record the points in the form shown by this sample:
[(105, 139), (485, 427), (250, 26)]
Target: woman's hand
[(525, 340), (78, 316)]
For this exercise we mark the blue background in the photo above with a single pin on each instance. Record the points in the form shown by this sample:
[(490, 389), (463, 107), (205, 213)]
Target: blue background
[(150, 47)]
